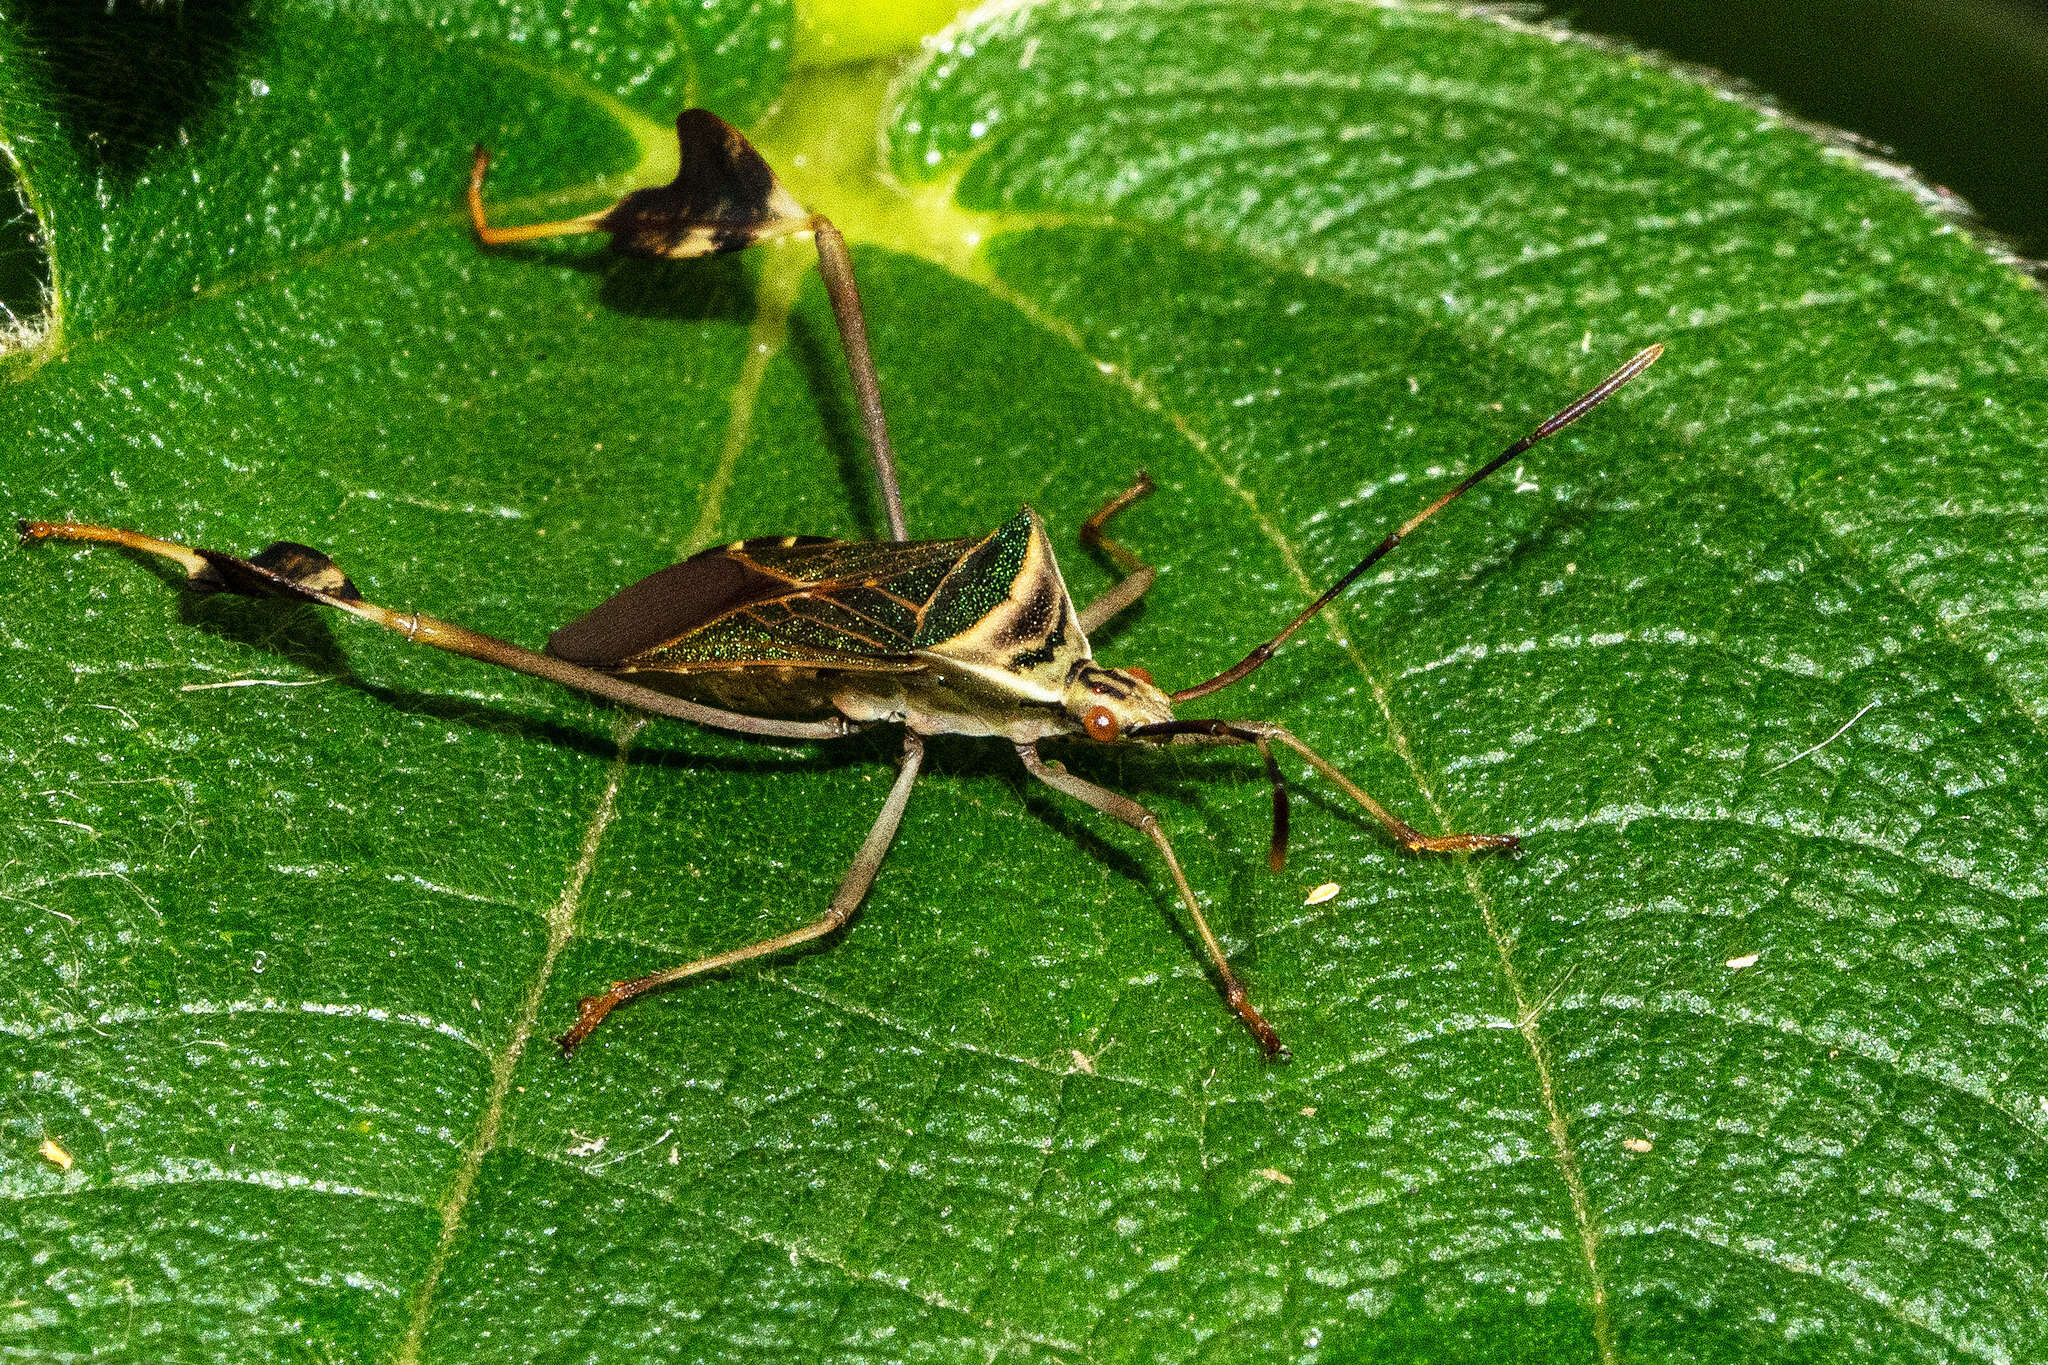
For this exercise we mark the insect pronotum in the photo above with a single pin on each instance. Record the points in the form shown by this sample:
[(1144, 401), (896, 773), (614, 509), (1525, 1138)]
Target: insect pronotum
[(805, 638)]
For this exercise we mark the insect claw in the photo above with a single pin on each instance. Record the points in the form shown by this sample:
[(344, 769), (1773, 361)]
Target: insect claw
[(1240, 1004), (590, 1012)]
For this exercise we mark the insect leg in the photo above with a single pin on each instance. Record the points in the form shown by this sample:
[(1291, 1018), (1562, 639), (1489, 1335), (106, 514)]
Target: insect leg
[(522, 232), (1138, 574), (836, 265), (853, 888), (725, 198), (1410, 838), (297, 572), (1137, 817)]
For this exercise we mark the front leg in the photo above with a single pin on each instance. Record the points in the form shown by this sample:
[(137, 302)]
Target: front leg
[(1138, 574), (1137, 817), (1410, 838)]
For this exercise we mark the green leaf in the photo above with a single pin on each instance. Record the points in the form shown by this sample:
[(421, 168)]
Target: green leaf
[(1754, 659)]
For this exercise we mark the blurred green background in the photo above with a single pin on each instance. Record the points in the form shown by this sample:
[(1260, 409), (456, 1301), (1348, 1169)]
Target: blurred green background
[(1956, 89)]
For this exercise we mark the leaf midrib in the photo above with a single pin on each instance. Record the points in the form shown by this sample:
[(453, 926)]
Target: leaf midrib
[(561, 928)]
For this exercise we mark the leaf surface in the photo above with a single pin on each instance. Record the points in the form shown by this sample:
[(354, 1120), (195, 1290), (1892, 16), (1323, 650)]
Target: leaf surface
[(1753, 659)]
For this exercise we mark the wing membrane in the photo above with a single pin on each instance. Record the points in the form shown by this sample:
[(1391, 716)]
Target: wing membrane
[(783, 600)]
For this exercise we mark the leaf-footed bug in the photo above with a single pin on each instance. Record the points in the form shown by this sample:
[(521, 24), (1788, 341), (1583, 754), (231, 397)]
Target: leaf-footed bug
[(802, 637)]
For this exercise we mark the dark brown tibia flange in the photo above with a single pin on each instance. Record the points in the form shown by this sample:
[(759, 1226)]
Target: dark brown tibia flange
[(286, 569), (726, 198)]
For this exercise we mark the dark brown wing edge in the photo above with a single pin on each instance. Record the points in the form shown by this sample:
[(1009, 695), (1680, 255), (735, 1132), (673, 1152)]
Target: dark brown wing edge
[(668, 606), (662, 608)]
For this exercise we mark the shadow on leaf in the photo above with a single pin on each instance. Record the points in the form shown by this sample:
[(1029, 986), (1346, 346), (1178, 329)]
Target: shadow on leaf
[(130, 78)]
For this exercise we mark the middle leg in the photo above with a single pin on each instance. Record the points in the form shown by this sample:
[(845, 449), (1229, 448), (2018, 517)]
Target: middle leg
[(1138, 575), (853, 888)]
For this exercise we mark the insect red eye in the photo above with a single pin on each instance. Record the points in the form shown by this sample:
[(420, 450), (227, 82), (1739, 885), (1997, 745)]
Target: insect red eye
[(1100, 724), (1141, 675)]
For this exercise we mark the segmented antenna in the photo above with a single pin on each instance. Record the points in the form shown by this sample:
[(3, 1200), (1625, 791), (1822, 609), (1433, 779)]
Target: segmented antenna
[(1578, 408)]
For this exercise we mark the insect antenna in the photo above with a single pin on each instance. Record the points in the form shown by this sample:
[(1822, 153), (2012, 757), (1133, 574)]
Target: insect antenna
[(1578, 408)]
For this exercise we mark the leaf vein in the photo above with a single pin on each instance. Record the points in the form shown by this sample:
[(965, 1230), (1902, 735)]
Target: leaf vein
[(1007, 1333), (1528, 1019)]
